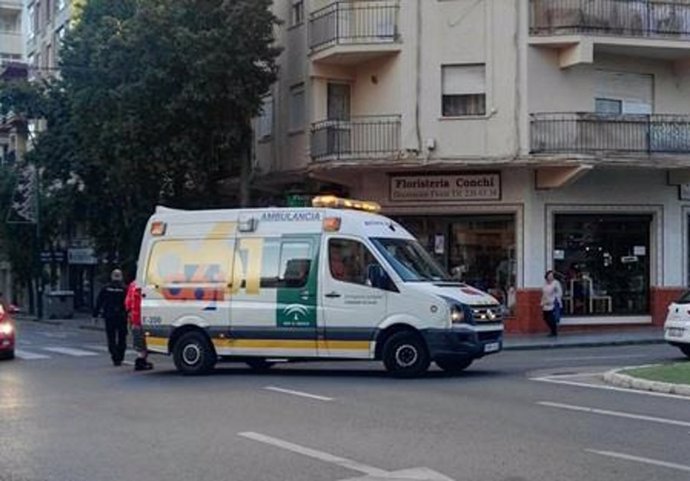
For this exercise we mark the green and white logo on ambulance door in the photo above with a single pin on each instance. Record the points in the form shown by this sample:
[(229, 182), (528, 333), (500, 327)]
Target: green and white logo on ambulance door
[(297, 298)]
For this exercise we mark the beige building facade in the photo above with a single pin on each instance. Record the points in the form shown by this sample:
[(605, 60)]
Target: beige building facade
[(510, 137), (46, 21)]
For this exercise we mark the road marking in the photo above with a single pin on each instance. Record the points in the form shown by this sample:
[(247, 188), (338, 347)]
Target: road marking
[(372, 473), (69, 351), (29, 356), (608, 388), (53, 335), (97, 347), (298, 393), (638, 459), (594, 358), (619, 414), (313, 453)]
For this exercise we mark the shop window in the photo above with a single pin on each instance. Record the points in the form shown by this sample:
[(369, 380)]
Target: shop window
[(603, 262), (476, 249)]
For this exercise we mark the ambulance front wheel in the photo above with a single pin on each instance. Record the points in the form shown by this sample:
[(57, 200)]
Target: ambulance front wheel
[(193, 354), (405, 355)]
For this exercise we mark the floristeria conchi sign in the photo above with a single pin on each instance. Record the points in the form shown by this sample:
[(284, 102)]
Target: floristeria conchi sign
[(440, 187)]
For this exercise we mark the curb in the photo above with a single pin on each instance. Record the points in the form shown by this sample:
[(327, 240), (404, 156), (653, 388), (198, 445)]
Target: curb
[(535, 347), (625, 381)]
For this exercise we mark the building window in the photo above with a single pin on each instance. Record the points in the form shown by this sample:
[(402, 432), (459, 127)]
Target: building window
[(297, 108), (49, 10), (264, 127), (624, 92), (603, 263), (10, 23), (609, 106), (33, 21), (297, 12), (464, 90)]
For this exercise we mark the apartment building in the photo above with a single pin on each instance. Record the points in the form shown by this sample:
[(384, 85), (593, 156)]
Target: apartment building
[(510, 137), (47, 21), (11, 45)]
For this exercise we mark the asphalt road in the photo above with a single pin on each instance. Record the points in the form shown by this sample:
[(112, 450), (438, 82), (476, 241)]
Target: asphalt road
[(66, 414)]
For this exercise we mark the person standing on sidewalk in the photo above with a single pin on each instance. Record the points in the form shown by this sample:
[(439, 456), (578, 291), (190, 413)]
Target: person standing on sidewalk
[(551, 300), (111, 305), (133, 306)]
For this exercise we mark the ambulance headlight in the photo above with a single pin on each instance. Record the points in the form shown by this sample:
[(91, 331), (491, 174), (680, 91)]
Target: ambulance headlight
[(457, 314)]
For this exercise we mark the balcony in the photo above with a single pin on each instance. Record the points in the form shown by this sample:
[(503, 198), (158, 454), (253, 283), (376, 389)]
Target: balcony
[(360, 138), (351, 32), (627, 135), (646, 28), (11, 42)]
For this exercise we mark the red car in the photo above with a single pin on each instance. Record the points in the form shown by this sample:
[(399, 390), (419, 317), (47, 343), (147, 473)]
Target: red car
[(6, 335)]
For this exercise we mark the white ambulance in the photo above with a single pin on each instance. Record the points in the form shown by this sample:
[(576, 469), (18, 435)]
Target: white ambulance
[(336, 281)]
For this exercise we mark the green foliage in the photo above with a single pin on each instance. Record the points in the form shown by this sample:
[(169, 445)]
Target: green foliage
[(152, 107)]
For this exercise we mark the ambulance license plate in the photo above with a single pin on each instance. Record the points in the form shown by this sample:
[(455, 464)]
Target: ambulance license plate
[(492, 347), (675, 332)]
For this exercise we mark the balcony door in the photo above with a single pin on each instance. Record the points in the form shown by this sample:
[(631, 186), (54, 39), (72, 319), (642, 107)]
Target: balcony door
[(339, 135)]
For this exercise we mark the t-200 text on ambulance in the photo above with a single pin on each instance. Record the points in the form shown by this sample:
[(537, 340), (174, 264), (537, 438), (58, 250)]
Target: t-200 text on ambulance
[(255, 285)]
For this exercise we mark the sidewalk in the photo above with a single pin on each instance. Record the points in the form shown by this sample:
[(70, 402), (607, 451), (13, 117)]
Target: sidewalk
[(625, 337), (511, 342)]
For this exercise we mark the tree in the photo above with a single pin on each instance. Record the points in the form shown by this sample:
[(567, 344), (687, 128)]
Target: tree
[(153, 107)]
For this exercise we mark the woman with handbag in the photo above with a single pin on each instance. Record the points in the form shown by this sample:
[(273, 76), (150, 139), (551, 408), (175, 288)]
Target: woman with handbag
[(551, 302)]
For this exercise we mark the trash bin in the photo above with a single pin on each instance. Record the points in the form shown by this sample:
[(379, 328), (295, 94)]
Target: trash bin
[(59, 305)]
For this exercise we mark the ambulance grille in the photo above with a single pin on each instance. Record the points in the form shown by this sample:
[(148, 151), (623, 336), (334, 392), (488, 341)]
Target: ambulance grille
[(487, 314)]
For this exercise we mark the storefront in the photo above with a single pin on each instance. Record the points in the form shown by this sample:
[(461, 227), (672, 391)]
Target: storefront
[(603, 262), (477, 249)]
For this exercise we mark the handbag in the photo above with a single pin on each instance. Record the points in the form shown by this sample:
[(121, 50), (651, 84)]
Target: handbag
[(557, 311)]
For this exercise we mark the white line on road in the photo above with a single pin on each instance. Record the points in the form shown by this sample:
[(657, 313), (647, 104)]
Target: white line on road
[(550, 379), (70, 351), (298, 393), (638, 459), (313, 453), (29, 356), (619, 414), (594, 358)]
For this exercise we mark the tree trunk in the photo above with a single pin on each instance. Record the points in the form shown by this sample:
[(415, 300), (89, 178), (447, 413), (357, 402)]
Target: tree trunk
[(245, 177)]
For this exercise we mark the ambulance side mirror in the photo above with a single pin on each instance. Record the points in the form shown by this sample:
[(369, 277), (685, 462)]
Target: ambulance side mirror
[(379, 279)]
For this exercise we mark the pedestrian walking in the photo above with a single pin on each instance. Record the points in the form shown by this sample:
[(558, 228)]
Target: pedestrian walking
[(133, 306), (551, 302), (111, 305)]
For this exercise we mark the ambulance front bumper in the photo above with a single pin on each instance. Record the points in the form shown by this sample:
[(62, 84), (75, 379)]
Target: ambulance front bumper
[(464, 341)]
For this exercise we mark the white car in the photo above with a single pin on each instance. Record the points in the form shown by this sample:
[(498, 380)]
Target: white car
[(677, 326)]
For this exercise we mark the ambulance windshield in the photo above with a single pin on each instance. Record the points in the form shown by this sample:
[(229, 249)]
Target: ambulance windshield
[(410, 260)]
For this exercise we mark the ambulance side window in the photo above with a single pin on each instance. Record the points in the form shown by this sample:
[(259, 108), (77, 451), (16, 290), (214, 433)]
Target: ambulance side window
[(286, 263), (349, 261), (295, 263)]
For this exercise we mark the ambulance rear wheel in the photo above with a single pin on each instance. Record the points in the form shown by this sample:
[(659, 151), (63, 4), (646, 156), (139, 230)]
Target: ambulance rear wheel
[(454, 366), (260, 364), (405, 355), (193, 354)]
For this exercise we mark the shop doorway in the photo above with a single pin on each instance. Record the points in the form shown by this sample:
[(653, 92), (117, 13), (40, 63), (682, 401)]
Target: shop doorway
[(476, 249), (603, 262)]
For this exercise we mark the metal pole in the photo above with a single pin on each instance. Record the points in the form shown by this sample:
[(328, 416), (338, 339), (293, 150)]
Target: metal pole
[(39, 285)]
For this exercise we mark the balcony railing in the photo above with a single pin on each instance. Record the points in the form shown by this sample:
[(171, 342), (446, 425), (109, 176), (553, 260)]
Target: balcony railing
[(635, 18), (354, 22), (370, 137), (589, 133)]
